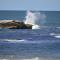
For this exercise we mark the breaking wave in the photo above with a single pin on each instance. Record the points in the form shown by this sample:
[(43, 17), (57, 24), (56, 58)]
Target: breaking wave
[(34, 18)]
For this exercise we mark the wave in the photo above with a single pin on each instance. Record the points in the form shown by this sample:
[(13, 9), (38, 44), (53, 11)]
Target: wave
[(36, 58), (23, 59), (33, 18), (14, 41), (35, 27), (29, 41), (56, 35), (42, 58)]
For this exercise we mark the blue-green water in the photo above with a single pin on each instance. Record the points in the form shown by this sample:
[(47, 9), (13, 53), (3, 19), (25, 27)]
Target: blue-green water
[(28, 44)]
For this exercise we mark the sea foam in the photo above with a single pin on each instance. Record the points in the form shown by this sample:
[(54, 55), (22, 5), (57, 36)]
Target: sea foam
[(56, 35)]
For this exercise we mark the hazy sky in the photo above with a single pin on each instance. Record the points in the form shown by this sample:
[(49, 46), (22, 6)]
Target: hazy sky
[(30, 5)]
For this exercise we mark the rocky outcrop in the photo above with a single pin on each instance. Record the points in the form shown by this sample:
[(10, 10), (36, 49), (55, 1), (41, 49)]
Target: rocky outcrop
[(14, 25)]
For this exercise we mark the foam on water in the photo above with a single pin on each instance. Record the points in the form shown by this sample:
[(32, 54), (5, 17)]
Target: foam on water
[(14, 41), (29, 41), (35, 27), (56, 35)]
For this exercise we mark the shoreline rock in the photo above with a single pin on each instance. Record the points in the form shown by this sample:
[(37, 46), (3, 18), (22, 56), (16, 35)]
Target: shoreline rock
[(12, 24)]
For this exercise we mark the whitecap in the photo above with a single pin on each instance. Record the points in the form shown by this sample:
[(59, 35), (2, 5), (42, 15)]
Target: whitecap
[(57, 36), (35, 27), (14, 41)]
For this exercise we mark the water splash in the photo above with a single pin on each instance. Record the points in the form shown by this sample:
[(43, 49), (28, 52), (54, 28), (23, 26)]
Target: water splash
[(35, 19)]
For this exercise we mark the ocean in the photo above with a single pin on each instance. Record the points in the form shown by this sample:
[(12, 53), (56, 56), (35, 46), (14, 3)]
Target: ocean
[(39, 43)]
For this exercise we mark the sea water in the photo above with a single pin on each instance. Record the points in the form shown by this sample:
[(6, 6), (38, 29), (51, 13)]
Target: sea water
[(31, 44)]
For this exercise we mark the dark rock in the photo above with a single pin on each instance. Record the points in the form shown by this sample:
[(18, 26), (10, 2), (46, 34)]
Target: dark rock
[(15, 25)]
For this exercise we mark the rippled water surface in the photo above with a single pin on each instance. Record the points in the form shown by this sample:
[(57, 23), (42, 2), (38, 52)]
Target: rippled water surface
[(41, 44)]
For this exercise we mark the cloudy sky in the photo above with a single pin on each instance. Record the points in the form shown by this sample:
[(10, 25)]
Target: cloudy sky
[(30, 5)]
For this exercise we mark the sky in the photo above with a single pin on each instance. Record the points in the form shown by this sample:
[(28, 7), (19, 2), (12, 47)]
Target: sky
[(44, 5)]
